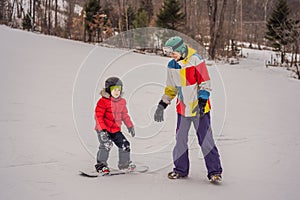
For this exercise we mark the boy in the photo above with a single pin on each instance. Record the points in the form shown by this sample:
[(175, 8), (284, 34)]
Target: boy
[(110, 112)]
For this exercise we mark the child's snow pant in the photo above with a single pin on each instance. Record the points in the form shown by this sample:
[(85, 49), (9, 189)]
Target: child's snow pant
[(106, 144)]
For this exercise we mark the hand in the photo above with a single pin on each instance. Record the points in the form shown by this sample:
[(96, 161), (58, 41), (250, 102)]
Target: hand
[(103, 135), (131, 131), (105, 139), (159, 113), (200, 109)]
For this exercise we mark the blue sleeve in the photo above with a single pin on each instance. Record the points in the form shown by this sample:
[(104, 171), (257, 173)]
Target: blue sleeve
[(204, 94), (173, 64)]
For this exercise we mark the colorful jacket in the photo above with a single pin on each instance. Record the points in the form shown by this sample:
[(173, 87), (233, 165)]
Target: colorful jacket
[(189, 80), (110, 113)]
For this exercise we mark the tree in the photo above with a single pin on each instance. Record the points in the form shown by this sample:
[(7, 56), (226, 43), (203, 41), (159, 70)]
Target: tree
[(73, 24), (278, 27), (128, 18), (55, 17), (216, 20), (295, 41), (4, 5), (92, 8), (141, 19), (147, 6), (26, 23), (170, 15), (33, 12)]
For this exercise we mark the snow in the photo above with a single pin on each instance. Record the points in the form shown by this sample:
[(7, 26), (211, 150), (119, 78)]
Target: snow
[(49, 89)]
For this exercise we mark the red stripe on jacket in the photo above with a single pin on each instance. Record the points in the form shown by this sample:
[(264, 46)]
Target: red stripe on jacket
[(202, 73), (190, 76)]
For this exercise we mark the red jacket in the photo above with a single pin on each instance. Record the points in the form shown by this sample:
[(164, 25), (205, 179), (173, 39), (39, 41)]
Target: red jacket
[(109, 114)]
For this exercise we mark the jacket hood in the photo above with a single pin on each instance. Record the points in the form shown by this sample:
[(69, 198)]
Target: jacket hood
[(103, 93)]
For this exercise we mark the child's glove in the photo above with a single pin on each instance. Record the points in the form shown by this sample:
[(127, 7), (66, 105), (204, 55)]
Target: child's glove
[(131, 131), (105, 139), (201, 107), (103, 135)]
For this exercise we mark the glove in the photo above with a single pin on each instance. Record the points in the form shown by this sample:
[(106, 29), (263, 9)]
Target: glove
[(104, 139), (159, 113), (131, 131), (103, 135), (201, 107)]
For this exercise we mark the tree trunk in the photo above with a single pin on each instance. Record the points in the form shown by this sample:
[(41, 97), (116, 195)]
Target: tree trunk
[(49, 18), (216, 26), (30, 7), (220, 25), (296, 57), (292, 61), (33, 14), (120, 2), (55, 18), (212, 22), (297, 51), (44, 19), (283, 54)]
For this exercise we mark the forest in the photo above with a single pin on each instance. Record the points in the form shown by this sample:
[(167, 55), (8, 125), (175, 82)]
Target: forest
[(222, 26)]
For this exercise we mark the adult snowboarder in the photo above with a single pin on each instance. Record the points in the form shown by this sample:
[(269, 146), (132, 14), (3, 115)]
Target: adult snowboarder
[(188, 78)]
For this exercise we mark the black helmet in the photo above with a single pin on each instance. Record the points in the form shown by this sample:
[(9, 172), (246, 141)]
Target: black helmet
[(112, 81)]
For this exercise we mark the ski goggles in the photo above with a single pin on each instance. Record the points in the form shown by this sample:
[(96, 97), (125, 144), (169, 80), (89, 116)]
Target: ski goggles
[(168, 50), (118, 87)]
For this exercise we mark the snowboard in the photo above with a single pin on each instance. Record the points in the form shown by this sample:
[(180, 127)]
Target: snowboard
[(113, 172)]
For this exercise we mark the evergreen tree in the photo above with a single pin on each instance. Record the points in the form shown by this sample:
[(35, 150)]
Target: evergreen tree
[(147, 6), (278, 27), (170, 15), (26, 22), (92, 8), (141, 19)]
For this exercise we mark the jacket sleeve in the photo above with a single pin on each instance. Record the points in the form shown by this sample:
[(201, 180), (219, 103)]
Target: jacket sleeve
[(125, 116), (99, 115), (203, 80)]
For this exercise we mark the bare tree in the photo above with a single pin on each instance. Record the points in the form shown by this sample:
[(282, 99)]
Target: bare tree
[(121, 13), (55, 17), (216, 20)]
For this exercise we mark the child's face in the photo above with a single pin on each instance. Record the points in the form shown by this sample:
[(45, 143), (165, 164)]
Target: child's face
[(116, 91)]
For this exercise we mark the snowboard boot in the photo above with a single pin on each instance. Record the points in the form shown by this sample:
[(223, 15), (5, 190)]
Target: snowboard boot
[(102, 168), (105, 170), (128, 167), (175, 175), (215, 178), (131, 167)]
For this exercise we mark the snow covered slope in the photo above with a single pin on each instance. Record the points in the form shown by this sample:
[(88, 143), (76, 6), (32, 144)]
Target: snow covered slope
[(49, 87)]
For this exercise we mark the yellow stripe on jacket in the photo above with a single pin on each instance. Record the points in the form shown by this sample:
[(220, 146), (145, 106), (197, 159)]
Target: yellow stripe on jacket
[(171, 91), (182, 77)]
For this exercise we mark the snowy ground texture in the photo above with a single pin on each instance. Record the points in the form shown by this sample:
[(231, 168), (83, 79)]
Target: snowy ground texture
[(49, 87)]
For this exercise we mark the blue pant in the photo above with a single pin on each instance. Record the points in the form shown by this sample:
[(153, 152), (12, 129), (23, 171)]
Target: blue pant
[(205, 140)]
